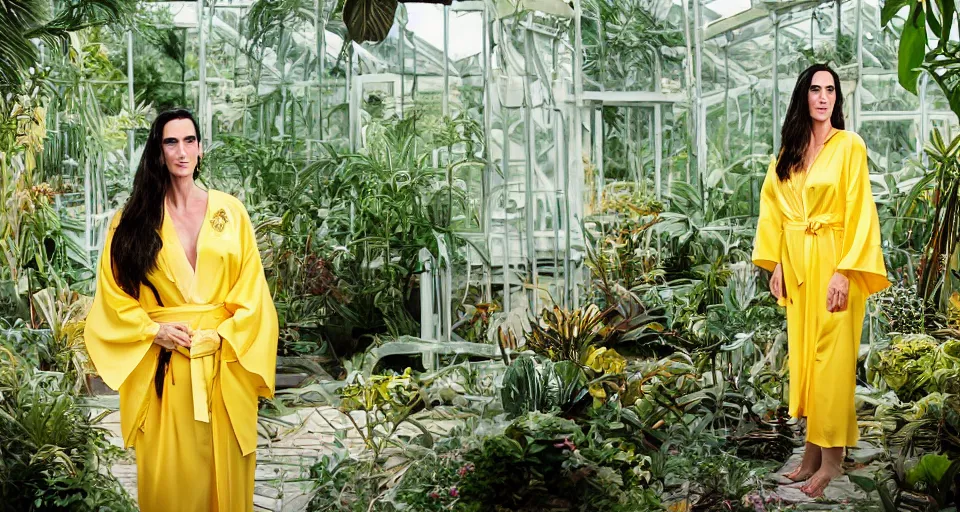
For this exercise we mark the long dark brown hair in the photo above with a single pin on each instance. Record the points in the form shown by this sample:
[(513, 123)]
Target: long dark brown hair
[(137, 241), (798, 125)]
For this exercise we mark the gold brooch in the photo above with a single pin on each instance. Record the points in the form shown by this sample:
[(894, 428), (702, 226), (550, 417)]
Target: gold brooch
[(219, 220)]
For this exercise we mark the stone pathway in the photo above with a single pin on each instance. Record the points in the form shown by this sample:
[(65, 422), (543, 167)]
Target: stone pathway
[(841, 492), (288, 449)]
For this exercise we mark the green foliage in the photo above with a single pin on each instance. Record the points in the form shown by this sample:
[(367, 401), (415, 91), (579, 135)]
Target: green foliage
[(915, 365), (623, 41), (914, 57), (340, 484), (24, 20), (540, 462), (51, 451), (934, 474), (382, 206), (430, 484), (715, 475), (386, 402), (545, 387), (940, 266), (563, 335), (902, 310)]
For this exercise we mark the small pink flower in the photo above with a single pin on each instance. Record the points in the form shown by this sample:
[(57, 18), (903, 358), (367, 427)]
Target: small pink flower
[(468, 467), (434, 495), (566, 444), (454, 492)]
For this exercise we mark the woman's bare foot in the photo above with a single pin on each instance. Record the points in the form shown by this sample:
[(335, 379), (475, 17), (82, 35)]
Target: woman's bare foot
[(808, 466), (821, 479), (831, 466), (799, 474)]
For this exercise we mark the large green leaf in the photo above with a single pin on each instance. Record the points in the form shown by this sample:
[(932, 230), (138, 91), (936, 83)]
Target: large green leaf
[(947, 10), (369, 20), (913, 48), (930, 469), (891, 8), (932, 20)]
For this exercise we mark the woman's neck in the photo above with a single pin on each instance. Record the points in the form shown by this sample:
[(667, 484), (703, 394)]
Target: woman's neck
[(821, 130), (180, 191)]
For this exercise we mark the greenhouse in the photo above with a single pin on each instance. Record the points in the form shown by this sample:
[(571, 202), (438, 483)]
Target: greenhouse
[(480, 255)]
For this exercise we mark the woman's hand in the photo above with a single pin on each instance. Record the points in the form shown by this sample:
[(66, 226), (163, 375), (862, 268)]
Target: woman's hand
[(776, 283), (172, 335), (837, 292)]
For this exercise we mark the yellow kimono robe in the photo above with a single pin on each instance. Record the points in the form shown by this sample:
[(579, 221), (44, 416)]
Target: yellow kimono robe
[(815, 224), (195, 446)]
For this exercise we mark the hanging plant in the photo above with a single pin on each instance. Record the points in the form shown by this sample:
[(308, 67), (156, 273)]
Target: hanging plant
[(371, 20)]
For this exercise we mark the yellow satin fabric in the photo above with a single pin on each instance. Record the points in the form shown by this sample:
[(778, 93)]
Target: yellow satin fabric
[(825, 224), (204, 351), (196, 444)]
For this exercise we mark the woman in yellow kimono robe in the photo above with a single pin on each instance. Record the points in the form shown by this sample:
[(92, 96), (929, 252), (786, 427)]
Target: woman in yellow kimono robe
[(190, 413), (818, 232)]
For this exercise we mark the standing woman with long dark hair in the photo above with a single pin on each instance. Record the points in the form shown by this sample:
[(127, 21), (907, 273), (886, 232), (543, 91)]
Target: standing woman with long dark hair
[(818, 233), (183, 325)]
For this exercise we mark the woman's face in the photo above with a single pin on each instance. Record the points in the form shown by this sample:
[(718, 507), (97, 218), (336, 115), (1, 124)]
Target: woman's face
[(822, 96), (181, 149)]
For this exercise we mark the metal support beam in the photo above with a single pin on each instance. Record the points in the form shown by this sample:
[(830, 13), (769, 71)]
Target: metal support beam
[(403, 70), (858, 90), (320, 24), (657, 131), (530, 210), (924, 120), (131, 105), (446, 61), (632, 98), (202, 100), (688, 74), (488, 168), (352, 121), (776, 83), (577, 56), (701, 111)]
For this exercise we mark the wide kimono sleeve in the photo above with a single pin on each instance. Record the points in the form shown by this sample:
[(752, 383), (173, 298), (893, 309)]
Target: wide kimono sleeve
[(251, 331), (861, 253), (118, 332), (767, 244)]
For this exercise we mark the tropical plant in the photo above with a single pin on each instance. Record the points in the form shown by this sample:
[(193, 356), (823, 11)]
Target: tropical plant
[(903, 311), (382, 207), (25, 20), (942, 63), (566, 335), (916, 365), (545, 387), (551, 464), (940, 264), (52, 453), (387, 401), (623, 41)]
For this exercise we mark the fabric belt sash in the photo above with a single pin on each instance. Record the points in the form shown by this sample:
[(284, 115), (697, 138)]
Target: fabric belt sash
[(204, 352), (805, 234)]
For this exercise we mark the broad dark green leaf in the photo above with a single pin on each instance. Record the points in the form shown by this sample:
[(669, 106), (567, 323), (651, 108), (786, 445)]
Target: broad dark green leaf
[(369, 20), (932, 18), (948, 9), (913, 48), (866, 483), (891, 8), (952, 93)]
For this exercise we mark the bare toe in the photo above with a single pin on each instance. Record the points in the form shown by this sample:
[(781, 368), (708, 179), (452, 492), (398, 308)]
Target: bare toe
[(820, 480), (799, 474)]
